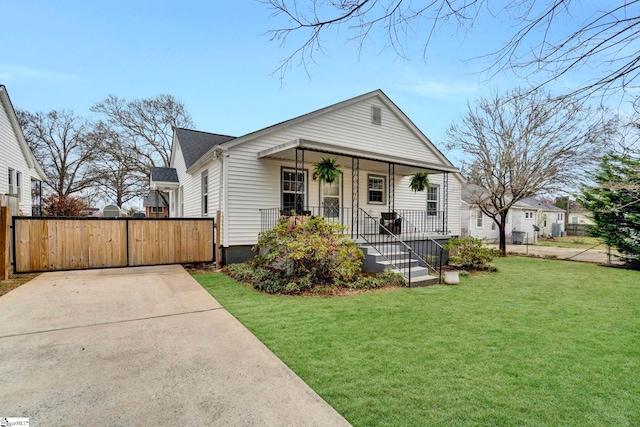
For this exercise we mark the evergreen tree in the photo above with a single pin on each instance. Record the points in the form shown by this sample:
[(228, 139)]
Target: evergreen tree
[(614, 202)]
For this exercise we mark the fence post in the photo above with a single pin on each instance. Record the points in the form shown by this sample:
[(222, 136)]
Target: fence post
[(218, 243), (5, 215)]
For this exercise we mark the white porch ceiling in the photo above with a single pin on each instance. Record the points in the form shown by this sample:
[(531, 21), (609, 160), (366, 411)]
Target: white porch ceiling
[(369, 160)]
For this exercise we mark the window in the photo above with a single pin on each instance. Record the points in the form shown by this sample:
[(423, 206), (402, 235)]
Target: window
[(289, 190), (375, 189), (19, 185), (181, 199), (479, 219), (157, 209), (574, 220), (12, 182), (560, 216), (432, 201), (376, 115), (545, 220), (204, 180)]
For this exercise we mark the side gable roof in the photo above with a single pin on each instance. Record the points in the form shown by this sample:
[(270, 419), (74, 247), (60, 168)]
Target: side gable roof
[(538, 204), (195, 144), (379, 94), (5, 102)]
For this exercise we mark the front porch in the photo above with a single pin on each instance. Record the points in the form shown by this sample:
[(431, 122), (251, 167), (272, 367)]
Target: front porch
[(371, 200)]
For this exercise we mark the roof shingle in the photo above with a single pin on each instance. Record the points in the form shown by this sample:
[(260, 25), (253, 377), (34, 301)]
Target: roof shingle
[(195, 144)]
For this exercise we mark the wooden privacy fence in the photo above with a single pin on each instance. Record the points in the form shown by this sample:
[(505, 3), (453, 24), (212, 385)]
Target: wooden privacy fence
[(50, 244)]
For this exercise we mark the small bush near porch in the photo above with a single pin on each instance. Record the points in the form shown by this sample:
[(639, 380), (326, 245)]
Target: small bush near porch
[(307, 254), (539, 342)]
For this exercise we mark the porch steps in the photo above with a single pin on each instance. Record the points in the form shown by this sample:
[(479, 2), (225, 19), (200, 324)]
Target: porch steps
[(376, 261)]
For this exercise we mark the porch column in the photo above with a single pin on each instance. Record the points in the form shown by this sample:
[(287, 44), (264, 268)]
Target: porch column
[(300, 184), (445, 201), (392, 187), (355, 196)]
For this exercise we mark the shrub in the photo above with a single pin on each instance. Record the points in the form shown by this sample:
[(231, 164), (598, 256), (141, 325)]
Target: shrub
[(470, 253), (302, 252)]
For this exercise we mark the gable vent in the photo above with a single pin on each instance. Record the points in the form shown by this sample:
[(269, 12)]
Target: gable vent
[(376, 115)]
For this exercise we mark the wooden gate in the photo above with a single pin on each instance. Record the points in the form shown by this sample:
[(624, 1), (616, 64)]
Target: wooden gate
[(51, 244)]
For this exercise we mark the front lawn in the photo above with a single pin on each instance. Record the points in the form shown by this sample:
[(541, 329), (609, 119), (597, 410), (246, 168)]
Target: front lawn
[(540, 342)]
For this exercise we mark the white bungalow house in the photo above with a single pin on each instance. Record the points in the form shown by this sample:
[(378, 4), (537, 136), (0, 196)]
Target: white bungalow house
[(22, 176), (254, 179), (531, 217)]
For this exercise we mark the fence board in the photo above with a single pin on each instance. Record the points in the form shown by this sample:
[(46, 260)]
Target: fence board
[(49, 244)]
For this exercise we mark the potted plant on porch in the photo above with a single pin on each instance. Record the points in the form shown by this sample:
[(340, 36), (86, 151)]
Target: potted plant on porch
[(327, 170), (419, 181)]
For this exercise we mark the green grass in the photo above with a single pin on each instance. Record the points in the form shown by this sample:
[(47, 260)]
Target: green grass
[(578, 242), (540, 342)]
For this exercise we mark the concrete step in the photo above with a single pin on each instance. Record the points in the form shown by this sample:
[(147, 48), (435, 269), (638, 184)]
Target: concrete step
[(425, 280)]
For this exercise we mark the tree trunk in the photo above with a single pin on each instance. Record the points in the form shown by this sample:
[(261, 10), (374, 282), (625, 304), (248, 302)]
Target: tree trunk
[(503, 235)]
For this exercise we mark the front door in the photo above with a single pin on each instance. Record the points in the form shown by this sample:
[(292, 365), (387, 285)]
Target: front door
[(331, 199)]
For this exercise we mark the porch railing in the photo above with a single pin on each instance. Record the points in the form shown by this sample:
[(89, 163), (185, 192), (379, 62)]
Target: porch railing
[(425, 221), (403, 250), (430, 252), (410, 246), (269, 217)]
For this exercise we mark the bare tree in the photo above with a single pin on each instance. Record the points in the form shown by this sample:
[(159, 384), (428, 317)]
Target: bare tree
[(547, 41), (120, 180), (145, 126), (526, 143), (63, 144)]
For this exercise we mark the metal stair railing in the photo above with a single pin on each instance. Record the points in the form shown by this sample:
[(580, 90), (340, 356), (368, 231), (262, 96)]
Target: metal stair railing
[(398, 253), (423, 244)]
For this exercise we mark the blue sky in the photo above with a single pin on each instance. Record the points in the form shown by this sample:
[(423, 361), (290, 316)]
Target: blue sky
[(213, 56)]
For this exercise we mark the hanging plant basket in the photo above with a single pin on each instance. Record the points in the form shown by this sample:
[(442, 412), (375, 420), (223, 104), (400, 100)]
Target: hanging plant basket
[(327, 170), (419, 181)]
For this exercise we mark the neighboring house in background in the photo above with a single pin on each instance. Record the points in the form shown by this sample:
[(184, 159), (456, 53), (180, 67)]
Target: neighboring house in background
[(523, 216), (577, 214), (156, 204), (20, 173), (549, 218), (255, 178)]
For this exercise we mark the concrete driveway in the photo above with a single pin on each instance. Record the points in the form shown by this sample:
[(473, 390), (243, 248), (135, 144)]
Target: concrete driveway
[(141, 346)]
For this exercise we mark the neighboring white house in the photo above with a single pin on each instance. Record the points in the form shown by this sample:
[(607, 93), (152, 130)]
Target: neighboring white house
[(254, 178), (522, 217), (20, 173)]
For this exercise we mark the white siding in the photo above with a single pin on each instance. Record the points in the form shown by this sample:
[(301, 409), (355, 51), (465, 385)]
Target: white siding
[(254, 184), (12, 156)]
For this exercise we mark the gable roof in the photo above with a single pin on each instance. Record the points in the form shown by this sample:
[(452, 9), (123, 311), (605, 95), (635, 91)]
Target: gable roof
[(5, 102), (379, 94), (538, 204), (159, 174), (195, 144)]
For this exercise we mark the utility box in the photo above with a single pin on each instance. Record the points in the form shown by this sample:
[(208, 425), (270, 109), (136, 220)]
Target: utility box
[(517, 237)]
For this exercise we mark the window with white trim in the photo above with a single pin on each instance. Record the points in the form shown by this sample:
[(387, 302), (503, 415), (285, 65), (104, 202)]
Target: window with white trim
[(289, 190), (204, 181), (560, 217), (12, 181), (376, 185), (181, 200), (157, 209), (19, 185), (479, 219), (432, 201)]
